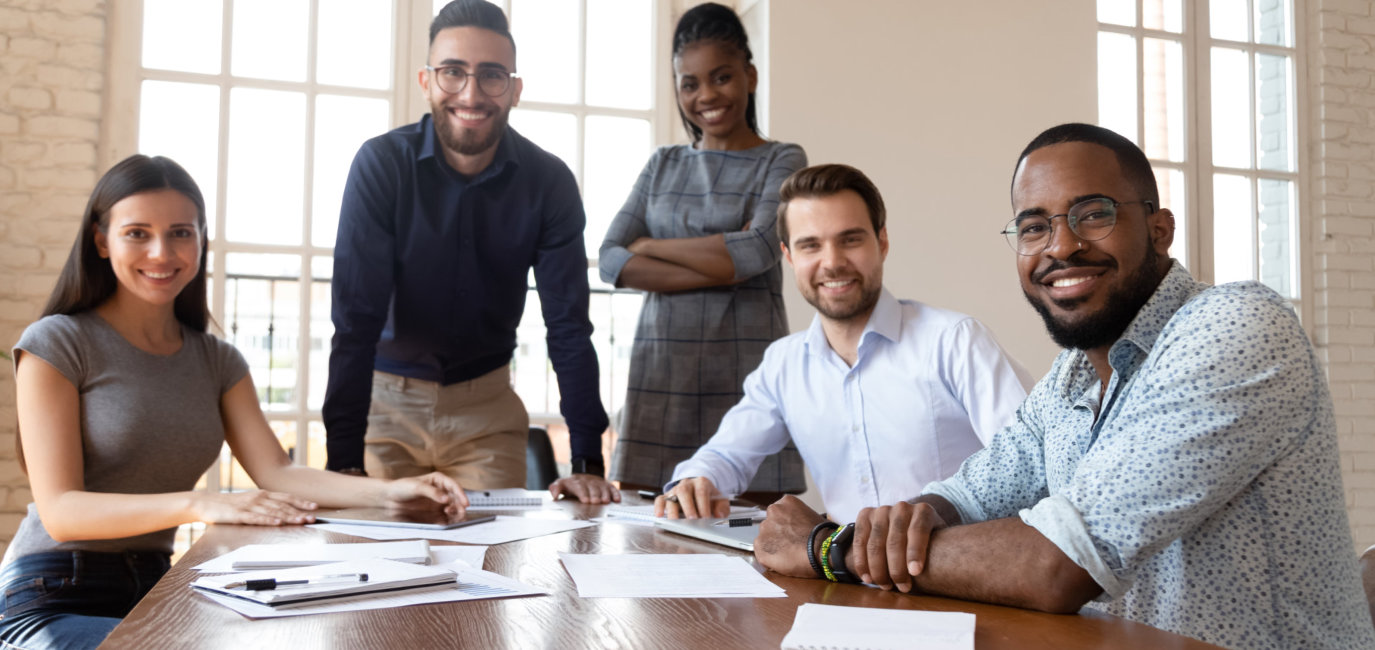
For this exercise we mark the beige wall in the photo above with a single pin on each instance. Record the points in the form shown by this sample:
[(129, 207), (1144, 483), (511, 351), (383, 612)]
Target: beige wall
[(51, 88), (934, 100)]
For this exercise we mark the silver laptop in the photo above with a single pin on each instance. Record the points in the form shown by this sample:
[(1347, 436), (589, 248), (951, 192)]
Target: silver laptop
[(735, 532)]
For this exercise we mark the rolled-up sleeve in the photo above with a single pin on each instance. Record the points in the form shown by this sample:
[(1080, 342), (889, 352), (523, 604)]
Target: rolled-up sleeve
[(756, 250), (628, 226), (1207, 412)]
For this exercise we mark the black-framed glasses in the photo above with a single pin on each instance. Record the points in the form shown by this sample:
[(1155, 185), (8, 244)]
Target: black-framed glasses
[(1089, 220), (453, 79)]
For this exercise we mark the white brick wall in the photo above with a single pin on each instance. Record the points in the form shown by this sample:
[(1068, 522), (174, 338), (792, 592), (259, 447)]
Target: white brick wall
[(1341, 68), (51, 87)]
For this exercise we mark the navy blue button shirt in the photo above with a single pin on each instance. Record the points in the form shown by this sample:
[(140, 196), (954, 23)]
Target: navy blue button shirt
[(430, 278)]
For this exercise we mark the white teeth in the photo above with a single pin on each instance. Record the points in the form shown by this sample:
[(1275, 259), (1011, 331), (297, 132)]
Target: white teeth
[(463, 115), (158, 276), (836, 284), (1069, 282), (714, 114)]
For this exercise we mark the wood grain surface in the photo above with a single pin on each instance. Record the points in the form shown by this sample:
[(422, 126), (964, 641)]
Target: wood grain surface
[(173, 616)]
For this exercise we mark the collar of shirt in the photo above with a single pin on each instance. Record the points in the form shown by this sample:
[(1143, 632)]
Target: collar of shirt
[(885, 321), (506, 152), (1136, 342)]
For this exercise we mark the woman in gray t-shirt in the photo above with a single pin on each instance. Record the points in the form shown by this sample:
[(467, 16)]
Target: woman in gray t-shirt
[(124, 400)]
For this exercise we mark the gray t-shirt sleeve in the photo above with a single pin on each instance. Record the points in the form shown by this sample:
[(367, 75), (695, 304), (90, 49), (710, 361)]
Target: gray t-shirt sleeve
[(59, 341), (229, 364)]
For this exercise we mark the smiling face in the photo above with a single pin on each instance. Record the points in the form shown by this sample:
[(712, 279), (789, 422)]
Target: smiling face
[(714, 83), (469, 123), (836, 256), (153, 245), (1087, 292)]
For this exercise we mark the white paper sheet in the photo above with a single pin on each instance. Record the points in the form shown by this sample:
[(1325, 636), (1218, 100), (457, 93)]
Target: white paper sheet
[(667, 576), (319, 553), (473, 584), (829, 626), (500, 531)]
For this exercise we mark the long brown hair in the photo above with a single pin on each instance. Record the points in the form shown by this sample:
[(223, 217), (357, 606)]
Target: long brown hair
[(87, 279)]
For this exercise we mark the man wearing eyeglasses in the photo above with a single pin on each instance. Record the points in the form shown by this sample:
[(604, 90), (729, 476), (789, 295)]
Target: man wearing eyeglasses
[(1177, 467), (442, 221)]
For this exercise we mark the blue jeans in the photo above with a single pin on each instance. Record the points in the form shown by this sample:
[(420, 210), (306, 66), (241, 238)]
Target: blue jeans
[(72, 599)]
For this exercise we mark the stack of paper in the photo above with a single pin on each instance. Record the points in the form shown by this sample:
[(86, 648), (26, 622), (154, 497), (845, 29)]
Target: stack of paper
[(286, 587), (472, 584), (866, 628), (667, 576)]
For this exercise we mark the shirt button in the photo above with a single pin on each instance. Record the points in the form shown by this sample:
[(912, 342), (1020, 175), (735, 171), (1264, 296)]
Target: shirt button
[(864, 480), (855, 428)]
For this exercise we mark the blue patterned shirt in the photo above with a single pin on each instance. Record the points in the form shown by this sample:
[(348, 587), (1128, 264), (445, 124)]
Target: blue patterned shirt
[(1204, 493)]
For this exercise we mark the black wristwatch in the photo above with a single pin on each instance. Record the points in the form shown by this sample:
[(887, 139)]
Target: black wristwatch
[(593, 466), (836, 556)]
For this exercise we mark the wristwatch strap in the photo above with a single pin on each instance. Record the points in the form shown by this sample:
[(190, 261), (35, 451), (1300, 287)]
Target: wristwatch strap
[(840, 543), (593, 466)]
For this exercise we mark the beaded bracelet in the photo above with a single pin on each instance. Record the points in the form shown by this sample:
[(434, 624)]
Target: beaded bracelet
[(811, 545), (826, 555)]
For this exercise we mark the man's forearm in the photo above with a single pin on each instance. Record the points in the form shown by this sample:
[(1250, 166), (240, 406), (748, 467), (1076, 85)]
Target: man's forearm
[(1005, 562)]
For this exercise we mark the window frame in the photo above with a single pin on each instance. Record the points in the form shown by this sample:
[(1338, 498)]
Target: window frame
[(119, 137), (1198, 167)]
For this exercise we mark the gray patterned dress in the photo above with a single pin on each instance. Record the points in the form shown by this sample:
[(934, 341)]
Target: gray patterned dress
[(693, 349)]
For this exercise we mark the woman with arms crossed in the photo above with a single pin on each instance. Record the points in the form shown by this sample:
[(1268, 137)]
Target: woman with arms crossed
[(124, 401), (697, 235)]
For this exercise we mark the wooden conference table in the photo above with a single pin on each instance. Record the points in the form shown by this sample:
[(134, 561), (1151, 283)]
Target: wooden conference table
[(173, 616)]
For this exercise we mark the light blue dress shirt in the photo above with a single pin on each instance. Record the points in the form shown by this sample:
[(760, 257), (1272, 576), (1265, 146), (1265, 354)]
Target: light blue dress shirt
[(928, 388), (1204, 493)]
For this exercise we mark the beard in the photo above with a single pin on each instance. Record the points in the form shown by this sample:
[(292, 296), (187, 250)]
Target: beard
[(1107, 325), (868, 297), (467, 141)]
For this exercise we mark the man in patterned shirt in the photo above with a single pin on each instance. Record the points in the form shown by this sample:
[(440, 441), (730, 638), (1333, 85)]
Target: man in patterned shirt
[(1177, 467)]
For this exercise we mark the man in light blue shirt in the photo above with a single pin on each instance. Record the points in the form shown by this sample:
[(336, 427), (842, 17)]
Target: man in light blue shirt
[(880, 396), (1177, 467)]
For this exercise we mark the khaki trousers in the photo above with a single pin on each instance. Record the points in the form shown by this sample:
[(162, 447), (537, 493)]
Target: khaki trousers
[(474, 431)]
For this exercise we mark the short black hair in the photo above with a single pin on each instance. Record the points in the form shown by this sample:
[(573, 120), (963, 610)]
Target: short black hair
[(1129, 156), (472, 13), (828, 180), (718, 24)]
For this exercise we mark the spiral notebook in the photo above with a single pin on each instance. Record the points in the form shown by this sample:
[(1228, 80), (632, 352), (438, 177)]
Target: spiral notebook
[(505, 498)]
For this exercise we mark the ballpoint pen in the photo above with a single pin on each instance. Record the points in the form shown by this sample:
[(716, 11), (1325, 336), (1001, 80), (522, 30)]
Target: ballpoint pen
[(268, 584)]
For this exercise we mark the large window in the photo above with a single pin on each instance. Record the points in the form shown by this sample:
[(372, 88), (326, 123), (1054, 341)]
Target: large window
[(1208, 89), (265, 103)]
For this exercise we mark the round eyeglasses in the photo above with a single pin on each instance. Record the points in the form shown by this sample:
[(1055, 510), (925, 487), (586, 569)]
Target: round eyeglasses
[(1089, 220), (453, 79)]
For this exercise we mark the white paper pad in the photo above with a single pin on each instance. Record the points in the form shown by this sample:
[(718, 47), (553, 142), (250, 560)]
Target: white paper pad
[(319, 553), (634, 514), (667, 576), (504, 529), (828, 626), (508, 499), (473, 584)]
